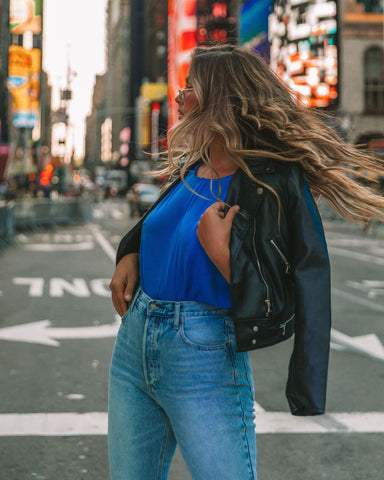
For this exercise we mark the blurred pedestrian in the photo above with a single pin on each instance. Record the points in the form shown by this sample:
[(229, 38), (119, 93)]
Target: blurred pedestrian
[(231, 258)]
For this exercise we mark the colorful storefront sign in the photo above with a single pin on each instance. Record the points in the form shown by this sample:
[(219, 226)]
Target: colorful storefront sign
[(24, 85), (25, 16)]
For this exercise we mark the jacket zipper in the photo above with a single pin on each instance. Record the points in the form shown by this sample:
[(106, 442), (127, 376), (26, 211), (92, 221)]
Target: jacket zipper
[(283, 257), (267, 299), (283, 325)]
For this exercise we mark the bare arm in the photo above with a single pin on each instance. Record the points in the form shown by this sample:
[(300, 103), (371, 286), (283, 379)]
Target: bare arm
[(123, 282)]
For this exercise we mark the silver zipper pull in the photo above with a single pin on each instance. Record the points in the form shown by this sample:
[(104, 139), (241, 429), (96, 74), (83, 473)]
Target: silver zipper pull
[(287, 269), (283, 325), (269, 307)]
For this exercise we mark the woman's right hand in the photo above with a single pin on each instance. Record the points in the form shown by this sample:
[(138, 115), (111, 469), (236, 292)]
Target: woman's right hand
[(123, 282)]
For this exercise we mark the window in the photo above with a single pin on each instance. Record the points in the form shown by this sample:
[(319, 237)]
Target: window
[(372, 6), (374, 80)]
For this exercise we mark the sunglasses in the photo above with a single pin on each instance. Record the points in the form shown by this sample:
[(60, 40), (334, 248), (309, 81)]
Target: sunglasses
[(181, 92)]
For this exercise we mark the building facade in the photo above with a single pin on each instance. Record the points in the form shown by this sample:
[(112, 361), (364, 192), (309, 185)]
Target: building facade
[(92, 156), (362, 68), (117, 104)]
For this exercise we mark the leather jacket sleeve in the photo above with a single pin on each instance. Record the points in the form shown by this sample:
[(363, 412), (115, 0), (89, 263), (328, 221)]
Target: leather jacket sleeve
[(130, 243), (306, 386)]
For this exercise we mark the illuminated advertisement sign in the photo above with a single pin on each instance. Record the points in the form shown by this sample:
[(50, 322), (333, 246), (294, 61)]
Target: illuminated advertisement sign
[(24, 85), (181, 42), (303, 37), (254, 26), (192, 23), (216, 22), (25, 16)]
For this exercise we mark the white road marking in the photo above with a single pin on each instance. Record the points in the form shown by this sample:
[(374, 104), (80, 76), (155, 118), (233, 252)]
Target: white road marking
[(77, 287), (103, 242), (36, 285), (100, 287), (57, 287), (59, 247), (371, 287), (96, 423), (363, 257), (117, 215), (258, 408), (373, 283), (75, 396), (362, 301), (41, 332), (369, 345), (348, 241)]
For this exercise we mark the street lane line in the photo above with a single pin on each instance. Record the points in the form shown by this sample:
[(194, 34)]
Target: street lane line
[(53, 424), (95, 423), (104, 244), (362, 301), (356, 255), (59, 247)]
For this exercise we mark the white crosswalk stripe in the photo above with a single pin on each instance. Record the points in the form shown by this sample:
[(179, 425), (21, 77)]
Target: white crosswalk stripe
[(95, 423)]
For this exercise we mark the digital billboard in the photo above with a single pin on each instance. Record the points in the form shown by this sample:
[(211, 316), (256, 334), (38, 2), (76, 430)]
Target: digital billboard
[(181, 42), (25, 16), (24, 85), (253, 20), (303, 38)]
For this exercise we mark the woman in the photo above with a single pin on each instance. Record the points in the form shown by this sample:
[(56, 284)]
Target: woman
[(232, 257)]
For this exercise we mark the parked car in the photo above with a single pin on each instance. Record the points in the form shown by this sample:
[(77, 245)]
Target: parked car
[(141, 196)]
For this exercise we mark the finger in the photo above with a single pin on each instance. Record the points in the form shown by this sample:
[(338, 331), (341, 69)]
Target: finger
[(128, 292), (232, 213), (217, 206), (119, 304)]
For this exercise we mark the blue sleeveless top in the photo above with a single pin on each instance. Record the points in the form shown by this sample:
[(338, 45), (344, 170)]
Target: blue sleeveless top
[(173, 264)]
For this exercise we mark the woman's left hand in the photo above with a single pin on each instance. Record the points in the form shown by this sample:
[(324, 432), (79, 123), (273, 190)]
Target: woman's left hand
[(213, 232)]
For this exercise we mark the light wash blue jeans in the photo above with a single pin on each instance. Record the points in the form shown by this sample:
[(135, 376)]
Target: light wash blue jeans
[(176, 378)]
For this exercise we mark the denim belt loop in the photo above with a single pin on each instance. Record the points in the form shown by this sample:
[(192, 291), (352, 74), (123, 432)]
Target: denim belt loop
[(176, 321)]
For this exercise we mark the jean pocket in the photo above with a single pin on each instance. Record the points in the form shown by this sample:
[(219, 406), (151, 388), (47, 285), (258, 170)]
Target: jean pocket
[(125, 316), (205, 332)]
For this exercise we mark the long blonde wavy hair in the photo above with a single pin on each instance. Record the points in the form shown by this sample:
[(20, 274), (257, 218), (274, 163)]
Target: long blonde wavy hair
[(240, 99)]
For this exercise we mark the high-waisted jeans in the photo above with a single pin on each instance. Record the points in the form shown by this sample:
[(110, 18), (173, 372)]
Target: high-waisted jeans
[(176, 378)]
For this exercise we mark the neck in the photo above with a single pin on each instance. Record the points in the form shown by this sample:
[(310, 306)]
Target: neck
[(220, 161)]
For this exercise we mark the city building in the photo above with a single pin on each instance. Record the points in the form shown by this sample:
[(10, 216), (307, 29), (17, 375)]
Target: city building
[(4, 94), (94, 120), (362, 68), (45, 139), (117, 99)]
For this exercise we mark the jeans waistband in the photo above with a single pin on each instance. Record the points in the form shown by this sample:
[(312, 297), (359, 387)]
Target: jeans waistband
[(166, 308)]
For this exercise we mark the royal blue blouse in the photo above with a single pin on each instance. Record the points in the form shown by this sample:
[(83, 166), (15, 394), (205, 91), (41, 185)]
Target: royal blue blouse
[(173, 264)]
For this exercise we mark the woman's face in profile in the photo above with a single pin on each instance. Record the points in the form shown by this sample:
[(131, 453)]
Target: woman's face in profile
[(186, 99)]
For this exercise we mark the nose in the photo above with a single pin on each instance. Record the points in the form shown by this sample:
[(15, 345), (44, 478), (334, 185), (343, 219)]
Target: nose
[(178, 98)]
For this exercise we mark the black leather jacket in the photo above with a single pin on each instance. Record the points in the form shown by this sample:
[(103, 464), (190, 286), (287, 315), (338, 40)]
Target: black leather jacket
[(280, 276)]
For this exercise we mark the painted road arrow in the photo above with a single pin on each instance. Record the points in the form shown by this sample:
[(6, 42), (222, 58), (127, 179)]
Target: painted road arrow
[(43, 334), (365, 344)]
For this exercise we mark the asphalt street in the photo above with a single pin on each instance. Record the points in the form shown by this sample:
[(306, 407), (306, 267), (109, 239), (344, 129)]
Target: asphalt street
[(57, 328)]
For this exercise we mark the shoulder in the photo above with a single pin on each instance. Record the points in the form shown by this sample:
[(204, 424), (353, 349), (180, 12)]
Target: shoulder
[(274, 168), (278, 175)]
